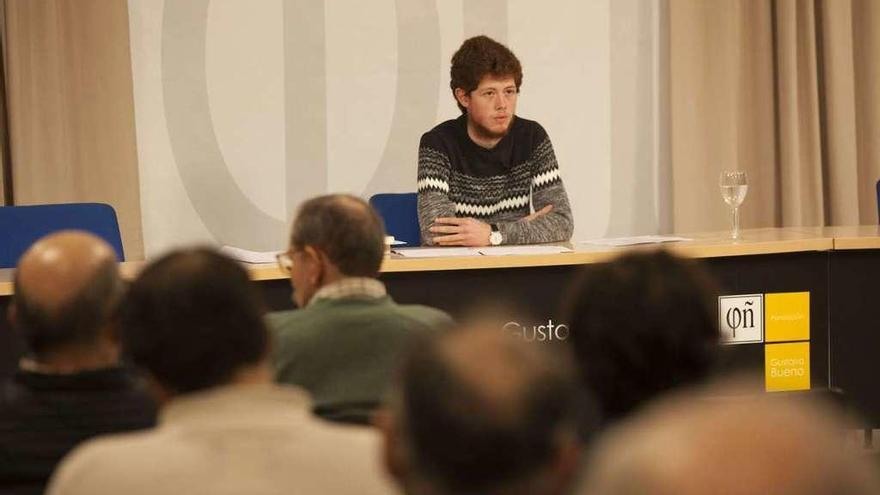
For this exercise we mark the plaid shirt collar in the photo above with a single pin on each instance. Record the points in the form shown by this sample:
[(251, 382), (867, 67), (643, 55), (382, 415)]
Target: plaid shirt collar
[(351, 287)]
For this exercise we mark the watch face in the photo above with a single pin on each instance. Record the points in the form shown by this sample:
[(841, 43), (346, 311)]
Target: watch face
[(495, 238)]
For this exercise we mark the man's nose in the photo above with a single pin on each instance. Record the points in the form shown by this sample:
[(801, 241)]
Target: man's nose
[(501, 101)]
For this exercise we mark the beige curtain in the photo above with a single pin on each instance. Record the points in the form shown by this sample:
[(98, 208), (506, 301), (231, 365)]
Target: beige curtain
[(71, 110), (5, 159), (786, 90)]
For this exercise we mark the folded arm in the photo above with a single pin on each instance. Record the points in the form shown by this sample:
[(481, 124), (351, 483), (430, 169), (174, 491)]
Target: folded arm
[(555, 226), (547, 189), (433, 191)]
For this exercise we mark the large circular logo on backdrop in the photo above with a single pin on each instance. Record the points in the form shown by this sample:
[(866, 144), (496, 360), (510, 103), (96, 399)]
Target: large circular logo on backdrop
[(226, 211)]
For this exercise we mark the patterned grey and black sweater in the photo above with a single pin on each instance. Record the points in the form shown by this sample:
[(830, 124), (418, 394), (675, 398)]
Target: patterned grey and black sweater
[(457, 177)]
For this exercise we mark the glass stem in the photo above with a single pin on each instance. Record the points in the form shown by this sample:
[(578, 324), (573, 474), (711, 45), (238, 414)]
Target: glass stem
[(735, 233)]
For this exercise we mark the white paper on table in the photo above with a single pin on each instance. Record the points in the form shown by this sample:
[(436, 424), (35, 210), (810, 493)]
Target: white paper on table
[(633, 241), (514, 250), (436, 252), (391, 241), (247, 256)]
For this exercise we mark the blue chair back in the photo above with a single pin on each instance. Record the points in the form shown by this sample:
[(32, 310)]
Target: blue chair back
[(878, 200), (21, 226), (400, 214)]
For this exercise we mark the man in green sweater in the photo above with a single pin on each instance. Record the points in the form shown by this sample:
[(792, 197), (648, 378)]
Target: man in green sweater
[(343, 341)]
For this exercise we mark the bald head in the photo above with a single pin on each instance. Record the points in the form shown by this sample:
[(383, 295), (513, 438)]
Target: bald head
[(744, 445), (481, 410), (58, 266), (346, 229), (65, 285)]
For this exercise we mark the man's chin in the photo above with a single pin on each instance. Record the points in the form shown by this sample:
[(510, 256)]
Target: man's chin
[(495, 133)]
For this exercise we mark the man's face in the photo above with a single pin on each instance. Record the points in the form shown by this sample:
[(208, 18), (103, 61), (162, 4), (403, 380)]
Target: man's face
[(491, 106)]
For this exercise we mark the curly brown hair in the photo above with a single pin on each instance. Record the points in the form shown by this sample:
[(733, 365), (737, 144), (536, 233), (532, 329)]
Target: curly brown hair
[(477, 57)]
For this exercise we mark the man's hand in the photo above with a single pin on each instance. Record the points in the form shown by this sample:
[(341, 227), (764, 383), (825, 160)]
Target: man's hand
[(470, 231), (460, 232)]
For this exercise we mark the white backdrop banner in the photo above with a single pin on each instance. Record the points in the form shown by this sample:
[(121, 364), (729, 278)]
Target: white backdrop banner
[(245, 109)]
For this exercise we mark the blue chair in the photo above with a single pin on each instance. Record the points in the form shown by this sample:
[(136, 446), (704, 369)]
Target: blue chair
[(877, 187), (21, 226), (401, 216)]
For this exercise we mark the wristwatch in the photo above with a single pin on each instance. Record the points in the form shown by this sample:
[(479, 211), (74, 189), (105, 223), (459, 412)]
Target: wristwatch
[(495, 238)]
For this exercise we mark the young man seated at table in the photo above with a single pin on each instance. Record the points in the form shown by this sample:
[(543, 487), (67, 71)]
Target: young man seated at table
[(479, 174)]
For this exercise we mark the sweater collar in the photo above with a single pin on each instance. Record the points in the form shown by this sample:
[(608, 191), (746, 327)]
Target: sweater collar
[(237, 403), (351, 287)]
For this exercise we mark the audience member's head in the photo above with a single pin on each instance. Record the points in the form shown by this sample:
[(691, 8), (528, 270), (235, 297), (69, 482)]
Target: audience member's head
[(66, 287), (479, 411), (477, 58), (193, 320), (333, 237), (687, 445), (640, 325)]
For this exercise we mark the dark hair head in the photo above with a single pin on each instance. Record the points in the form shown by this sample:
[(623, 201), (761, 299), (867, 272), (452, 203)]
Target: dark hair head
[(481, 409), (346, 229), (76, 322), (640, 325), (192, 319), (478, 57)]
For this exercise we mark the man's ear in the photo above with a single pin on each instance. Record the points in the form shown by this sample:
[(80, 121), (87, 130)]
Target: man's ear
[(393, 456), (315, 261), (463, 97)]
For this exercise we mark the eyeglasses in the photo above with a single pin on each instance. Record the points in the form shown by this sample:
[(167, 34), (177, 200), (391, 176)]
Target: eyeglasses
[(285, 261)]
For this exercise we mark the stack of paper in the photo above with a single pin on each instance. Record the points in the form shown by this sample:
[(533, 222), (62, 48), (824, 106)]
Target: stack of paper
[(247, 256), (633, 241), (442, 252), (513, 250), (435, 252)]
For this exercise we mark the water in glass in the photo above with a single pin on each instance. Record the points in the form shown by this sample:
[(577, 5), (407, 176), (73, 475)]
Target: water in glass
[(734, 186)]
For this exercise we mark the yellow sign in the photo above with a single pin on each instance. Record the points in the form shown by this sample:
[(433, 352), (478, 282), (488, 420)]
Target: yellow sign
[(787, 366), (787, 316)]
